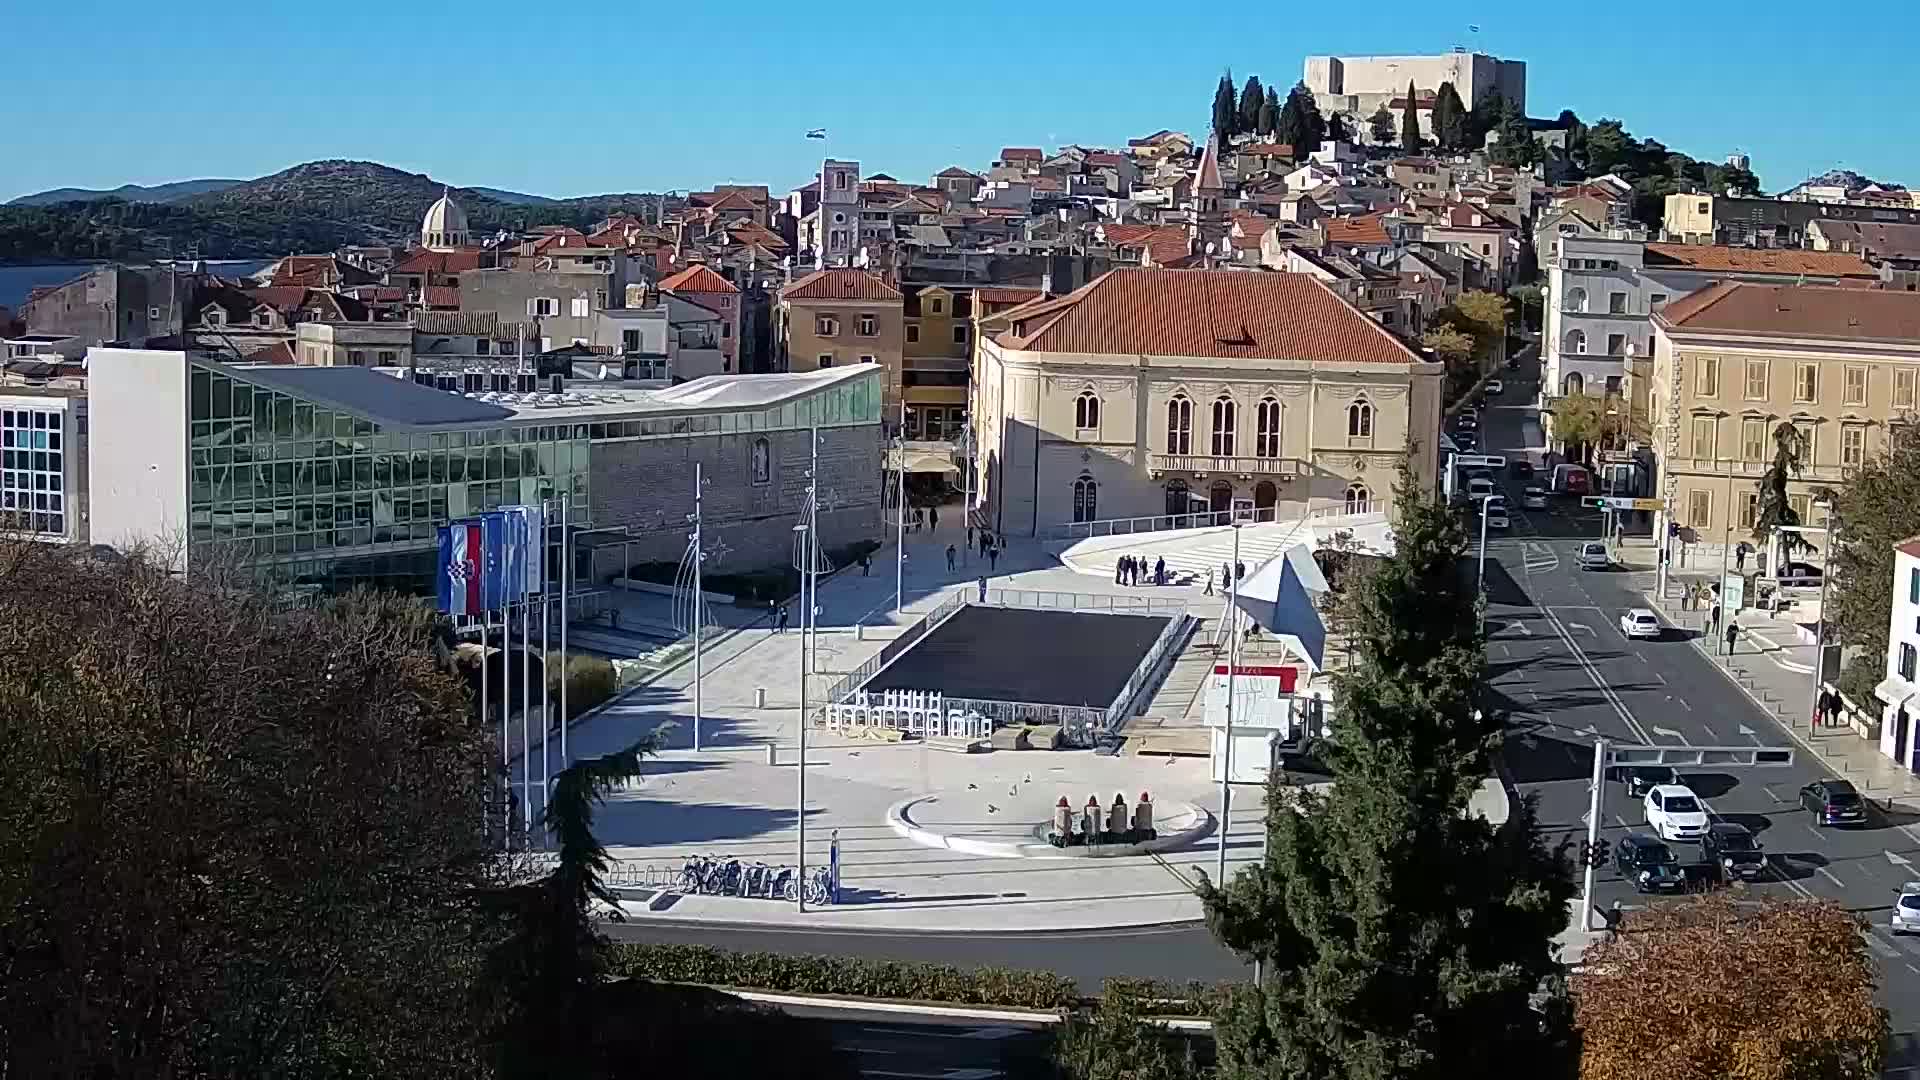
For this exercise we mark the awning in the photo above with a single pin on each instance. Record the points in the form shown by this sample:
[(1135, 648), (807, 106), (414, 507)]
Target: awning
[(1895, 691), (919, 461)]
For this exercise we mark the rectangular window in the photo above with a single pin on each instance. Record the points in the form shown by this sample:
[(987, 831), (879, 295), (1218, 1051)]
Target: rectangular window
[(1706, 376), (1656, 299), (1749, 509), (387, 359), (1854, 390), (1616, 344), (630, 340), (1802, 506), (1753, 440), (481, 345), (357, 358), (1853, 446), (1909, 660), (869, 326), (826, 360), (1806, 441), (578, 307), (1903, 381), (913, 335), (826, 326), (1703, 432), (1913, 586), (1756, 380), (726, 331), (866, 359), (1806, 383), (1700, 509), (960, 334), (1617, 303)]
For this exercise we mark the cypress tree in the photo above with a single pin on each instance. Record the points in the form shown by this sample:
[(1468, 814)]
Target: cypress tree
[(1410, 125), (1450, 119), (1251, 98), (1269, 114), (1314, 124), (1337, 130), (1400, 935), (1225, 113)]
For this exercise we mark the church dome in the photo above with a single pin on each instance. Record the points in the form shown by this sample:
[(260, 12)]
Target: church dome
[(445, 225)]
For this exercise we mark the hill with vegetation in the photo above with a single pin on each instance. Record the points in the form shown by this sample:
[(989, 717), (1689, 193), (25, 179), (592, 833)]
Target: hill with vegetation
[(317, 206), (158, 193)]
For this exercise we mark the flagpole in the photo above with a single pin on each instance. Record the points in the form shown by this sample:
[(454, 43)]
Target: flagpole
[(699, 556), (526, 704), (566, 573), (546, 679)]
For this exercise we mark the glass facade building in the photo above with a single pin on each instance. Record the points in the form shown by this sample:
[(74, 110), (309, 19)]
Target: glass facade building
[(33, 484), (323, 495)]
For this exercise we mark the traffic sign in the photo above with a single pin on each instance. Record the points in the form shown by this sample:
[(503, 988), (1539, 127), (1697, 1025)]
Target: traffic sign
[(1490, 461), (1621, 502)]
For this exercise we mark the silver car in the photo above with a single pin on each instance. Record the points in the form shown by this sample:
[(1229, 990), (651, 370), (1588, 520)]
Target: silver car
[(1906, 910)]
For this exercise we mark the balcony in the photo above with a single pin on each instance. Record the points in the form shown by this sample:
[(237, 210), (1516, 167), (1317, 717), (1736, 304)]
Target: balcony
[(1755, 469), (1211, 465)]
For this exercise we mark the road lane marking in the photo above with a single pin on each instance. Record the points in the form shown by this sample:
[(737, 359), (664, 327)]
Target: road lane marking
[(1683, 702), (1770, 792), (1593, 673), (1661, 678), (1622, 821), (1711, 737), (1749, 733), (1912, 831), (1828, 874), (1816, 833), (1897, 860), (1670, 734), (1881, 947)]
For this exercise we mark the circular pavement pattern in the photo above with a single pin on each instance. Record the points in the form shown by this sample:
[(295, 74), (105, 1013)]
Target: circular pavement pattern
[(1013, 824)]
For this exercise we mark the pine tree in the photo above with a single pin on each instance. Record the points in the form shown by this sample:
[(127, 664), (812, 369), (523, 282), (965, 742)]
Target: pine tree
[(1410, 125), (1269, 114), (1226, 115), (1337, 130), (1449, 118), (1400, 935), (1316, 125), (1251, 98), (1380, 126)]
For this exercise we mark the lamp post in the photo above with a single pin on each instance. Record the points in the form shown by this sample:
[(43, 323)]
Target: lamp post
[(1480, 577), (1233, 665), (900, 514)]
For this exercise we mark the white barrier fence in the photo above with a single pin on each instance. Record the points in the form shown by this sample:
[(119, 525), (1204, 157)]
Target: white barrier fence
[(920, 713)]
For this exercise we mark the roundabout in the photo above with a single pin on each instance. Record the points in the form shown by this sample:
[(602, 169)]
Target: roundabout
[(1017, 824)]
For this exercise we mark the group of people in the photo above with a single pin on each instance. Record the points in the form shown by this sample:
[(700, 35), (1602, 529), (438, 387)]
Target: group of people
[(1827, 708), (1133, 570), (923, 517), (1229, 573)]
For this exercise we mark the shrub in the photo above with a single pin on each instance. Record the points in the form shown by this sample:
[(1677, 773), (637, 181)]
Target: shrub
[(846, 976), (590, 681)]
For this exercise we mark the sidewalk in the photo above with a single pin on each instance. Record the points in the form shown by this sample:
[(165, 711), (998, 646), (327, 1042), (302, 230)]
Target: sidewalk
[(1774, 668)]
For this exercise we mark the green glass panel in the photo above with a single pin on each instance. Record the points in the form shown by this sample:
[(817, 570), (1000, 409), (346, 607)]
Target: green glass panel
[(222, 390), (200, 406)]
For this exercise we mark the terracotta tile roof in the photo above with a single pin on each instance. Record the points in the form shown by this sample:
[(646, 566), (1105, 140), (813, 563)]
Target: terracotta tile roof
[(1208, 176), (840, 285), (1106, 157), (442, 296), (1885, 239), (437, 262), (697, 278), (955, 171), (733, 200), (1356, 230), (1021, 153), (1161, 243), (1743, 260), (280, 352), (1266, 149), (1004, 294), (1223, 314), (1798, 311), (1909, 546)]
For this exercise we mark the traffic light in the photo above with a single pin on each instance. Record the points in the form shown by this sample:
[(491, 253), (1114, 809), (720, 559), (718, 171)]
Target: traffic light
[(1600, 853)]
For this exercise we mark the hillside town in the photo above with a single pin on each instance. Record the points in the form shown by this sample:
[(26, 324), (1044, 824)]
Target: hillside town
[(1184, 392)]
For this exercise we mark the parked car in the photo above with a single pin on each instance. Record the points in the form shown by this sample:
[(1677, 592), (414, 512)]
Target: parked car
[(1649, 864), (1467, 441), (1641, 779), (1800, 574), (1479, 488), (1593, 556), (1494, 386), (1733, 851), (1465, 422), (1533, 498), (1521, 468), (1833, 802), (1641, 623), (1497, 519), (1571, 479), (1906, 910), (1674, 812)]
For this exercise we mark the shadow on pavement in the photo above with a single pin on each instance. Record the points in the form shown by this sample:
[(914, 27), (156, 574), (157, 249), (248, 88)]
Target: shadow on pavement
[(1797, 865), (1540, 759)]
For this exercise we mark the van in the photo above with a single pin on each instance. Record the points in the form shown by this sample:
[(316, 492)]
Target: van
[(1571, 479)]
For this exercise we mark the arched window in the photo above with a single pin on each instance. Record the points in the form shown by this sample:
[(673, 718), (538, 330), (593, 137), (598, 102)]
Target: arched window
[(1358, 498), (1266, 436), (1360, 420), (1223, 417), (1576, 300), (1180, 425), (1179, 498), (1576, 343), (1085, 499), (1573, 383), (1086, 411), (1265, 495)]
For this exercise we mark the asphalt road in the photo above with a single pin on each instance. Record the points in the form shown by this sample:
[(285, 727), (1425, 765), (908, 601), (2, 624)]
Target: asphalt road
[(1566, 674)]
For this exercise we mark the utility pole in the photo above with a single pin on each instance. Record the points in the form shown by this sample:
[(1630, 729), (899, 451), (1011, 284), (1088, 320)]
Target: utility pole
[(699, 597), (900, 513), (1593, 830), (809, 542), (1233, 671)]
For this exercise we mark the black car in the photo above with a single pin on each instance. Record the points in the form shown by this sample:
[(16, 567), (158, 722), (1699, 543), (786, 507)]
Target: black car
[(1643, 778), (1521, 468), (1733, 851), (1649, 864), (1833, 802)]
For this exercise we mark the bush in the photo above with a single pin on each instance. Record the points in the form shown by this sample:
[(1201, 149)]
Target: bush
[(846, 976), (590, 681)]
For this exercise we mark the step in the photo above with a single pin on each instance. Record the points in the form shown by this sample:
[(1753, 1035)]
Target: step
[(1171, 742), (954, 745)]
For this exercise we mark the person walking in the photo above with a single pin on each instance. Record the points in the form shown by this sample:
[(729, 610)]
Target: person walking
[(1120, 570), (1740, 557), (866, 564), (1226, 576), (952, 552), (1733, 636), (933, 517), (1209, 591), (993, 557), (1160, 571), (983, 588), (969, 534), (780, 618), (1239, 571)]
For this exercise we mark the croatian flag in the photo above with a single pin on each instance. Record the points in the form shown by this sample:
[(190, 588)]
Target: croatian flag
[(460, 566)]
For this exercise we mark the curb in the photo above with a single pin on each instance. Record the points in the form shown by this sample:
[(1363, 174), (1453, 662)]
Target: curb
[(898, 821), (956, 1012)]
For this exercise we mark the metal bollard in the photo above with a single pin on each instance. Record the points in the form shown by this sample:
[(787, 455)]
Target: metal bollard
[(759, 697), (773, 750)]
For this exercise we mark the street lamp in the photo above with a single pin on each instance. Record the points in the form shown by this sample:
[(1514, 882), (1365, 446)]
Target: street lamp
[(1480, 577), (1233, 665)]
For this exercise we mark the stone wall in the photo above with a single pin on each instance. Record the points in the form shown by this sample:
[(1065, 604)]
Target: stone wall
[(647, 486)]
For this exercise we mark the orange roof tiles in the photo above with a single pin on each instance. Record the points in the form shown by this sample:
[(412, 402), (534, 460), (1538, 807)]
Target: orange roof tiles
[(1223, 314), (1799, 311), (1909, 546), (1356, 230), (698, 278), (438, 262), (1021, 153), (1743, 260), (1005, 294), (1266, 149), (840, 285)]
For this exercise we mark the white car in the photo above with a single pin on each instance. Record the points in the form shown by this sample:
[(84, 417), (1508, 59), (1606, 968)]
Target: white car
[(1497, 518), (1533, 498), (1640, 622), (1494, 386), (1906, 910), (1478, 489), (1674, 812), (1593, 556)]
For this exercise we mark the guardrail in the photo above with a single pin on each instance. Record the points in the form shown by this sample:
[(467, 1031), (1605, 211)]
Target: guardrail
[(852, 680), (1205, 519), (1177, 629), (1050, 600)]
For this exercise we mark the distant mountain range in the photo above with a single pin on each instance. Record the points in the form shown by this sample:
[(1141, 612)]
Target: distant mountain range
[(317, 206), (159, 193)]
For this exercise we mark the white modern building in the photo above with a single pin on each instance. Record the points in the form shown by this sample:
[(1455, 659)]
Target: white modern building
[(1899, 692), (43, 451)]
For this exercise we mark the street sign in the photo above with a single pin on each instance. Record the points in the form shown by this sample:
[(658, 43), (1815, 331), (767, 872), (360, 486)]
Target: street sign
[(1747, 757), (1490, 461), (1621, 502), (1616, 457)]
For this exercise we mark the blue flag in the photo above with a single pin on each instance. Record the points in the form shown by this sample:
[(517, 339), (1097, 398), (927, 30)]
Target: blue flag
[(494, 532)]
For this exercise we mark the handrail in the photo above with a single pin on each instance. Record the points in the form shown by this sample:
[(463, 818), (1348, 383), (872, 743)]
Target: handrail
[(1117, 713), (852, 680), (1059, 600), (1203, 519)]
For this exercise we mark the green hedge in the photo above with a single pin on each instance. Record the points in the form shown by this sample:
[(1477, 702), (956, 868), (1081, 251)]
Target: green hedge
[(843, 976), (590, 681)]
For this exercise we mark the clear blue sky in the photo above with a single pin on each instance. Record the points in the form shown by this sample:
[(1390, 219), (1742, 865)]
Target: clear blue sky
[(579, 98)]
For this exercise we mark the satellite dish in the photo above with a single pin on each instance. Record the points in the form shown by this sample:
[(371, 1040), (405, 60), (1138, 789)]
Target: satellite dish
[(1209, 247)]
